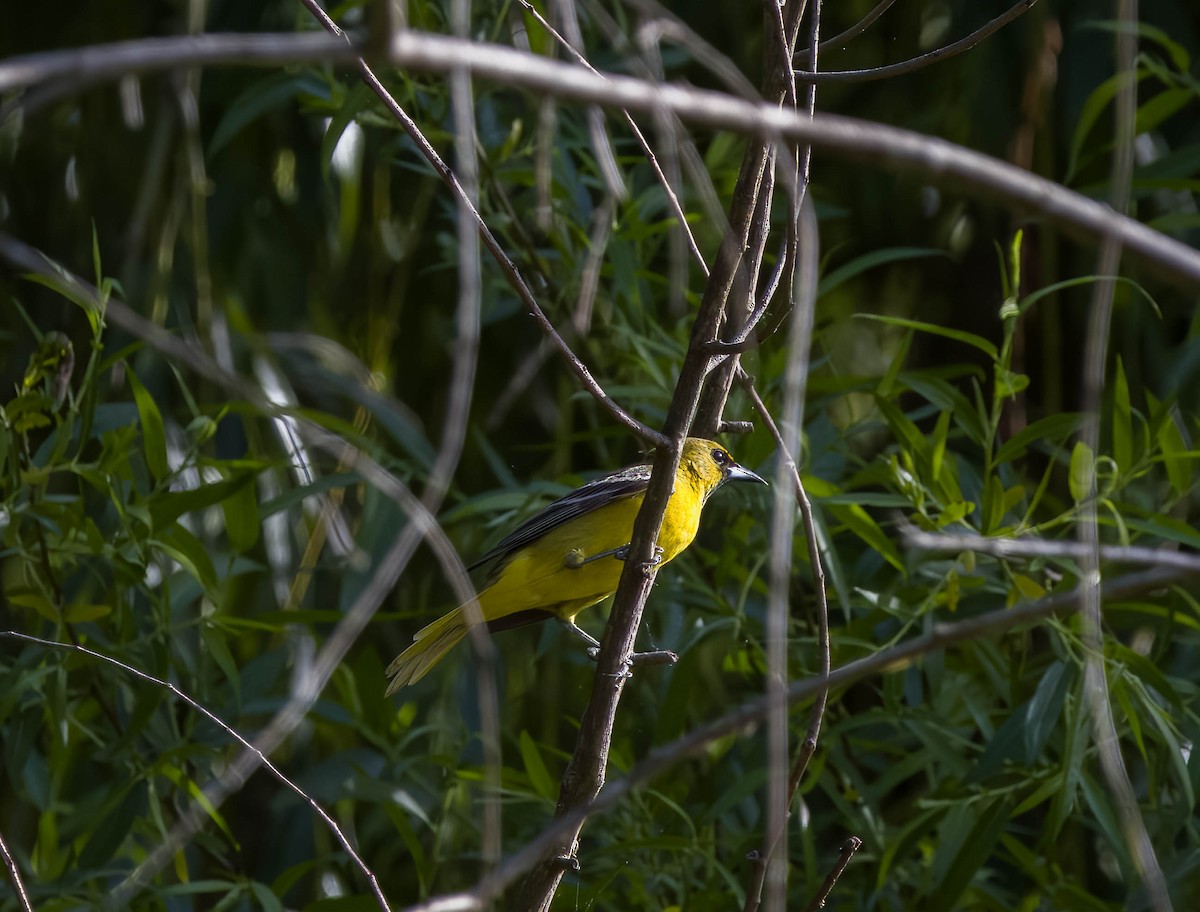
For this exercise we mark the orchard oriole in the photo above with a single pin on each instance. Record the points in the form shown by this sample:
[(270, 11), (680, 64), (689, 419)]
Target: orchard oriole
[(569, 556)]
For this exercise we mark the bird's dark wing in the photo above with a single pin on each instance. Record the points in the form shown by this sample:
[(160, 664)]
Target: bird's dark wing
[(592, 495)]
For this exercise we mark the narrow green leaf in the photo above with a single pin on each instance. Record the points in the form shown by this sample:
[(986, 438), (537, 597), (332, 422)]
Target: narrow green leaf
[(940, 430), (1052, 429), (167, 506), (1092, 109), (539, 776), (870, 260), (957, 335), (274, 91), (1122, 420), (1082, 472), (1176, 459), (1044, 710), (858, 521), (1175, 51), (988, 823), (154, 437), (79, 614), (241, 517), (187, 550)]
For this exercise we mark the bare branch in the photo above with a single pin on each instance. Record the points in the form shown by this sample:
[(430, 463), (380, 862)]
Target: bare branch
[(802, 328), (507, 266), (919, 63), (672, 198), (14, 874), (920, 540), (841, 38), (87, 66), (875, 144), (1104, 728), (895, 658), (851, 845)]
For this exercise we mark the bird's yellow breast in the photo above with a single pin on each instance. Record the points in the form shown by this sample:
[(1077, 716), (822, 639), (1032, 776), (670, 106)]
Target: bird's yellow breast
[(554, 573)]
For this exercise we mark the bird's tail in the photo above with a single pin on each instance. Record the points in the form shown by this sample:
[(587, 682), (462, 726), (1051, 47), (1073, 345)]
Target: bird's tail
[(430, 644)]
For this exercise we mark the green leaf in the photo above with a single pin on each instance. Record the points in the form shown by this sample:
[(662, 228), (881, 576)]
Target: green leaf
[(1175, 51), (167, 506), (1176, 459), (1044, 710), (37, 602), (1082, 475), (1032, 298), (241, 516), (858, 521), (968, 853), (154, 438), (1052, 428), (79, 614), (539, 777), (263, 96), (861, 264), (182, 546), (1122, 420), (957, 335), (939, 445), (1092, 109)]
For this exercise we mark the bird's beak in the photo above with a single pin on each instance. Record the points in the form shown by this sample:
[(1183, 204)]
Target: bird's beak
[(740, 473)]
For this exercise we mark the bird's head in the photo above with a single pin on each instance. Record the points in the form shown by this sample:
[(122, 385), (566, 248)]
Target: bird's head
[(711, 464)]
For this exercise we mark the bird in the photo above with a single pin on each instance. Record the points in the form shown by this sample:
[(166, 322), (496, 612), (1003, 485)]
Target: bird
[(569, 556)]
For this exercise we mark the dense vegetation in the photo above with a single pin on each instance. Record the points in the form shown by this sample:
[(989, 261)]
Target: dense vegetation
[(235, 316)]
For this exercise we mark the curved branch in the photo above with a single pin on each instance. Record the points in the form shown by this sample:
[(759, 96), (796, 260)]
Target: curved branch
[(919, 63), (876, 145), (803, 56)]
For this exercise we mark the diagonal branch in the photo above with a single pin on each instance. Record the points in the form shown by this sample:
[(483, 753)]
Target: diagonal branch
[(876, 145), (203, 710), (507, 266), (940, 637)]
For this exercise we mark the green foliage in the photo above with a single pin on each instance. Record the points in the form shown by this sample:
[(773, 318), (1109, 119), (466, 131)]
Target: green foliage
[(150, 518)]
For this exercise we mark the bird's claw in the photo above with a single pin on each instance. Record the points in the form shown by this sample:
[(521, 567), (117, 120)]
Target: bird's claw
[(622, 553)]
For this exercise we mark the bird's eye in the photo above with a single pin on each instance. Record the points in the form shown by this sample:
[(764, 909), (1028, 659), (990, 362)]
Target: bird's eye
[(720, 457)]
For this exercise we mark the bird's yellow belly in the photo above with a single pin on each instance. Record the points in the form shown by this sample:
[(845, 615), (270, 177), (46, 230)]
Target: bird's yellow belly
[(567, 570)]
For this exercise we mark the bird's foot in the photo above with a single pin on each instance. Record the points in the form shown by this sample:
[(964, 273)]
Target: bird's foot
[(649, 566), (575, 558)]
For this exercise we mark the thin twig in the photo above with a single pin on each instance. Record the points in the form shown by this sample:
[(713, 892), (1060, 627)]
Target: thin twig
[(850, 846), (893, 659), (672, 198), (919, 63), (790, 473), (1104, 729), (803, 56), (507, 266), (458, 412), (199, 707), (14, 874)]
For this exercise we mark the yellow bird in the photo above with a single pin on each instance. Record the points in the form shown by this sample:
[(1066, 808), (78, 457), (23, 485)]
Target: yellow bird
[(569, 556)]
